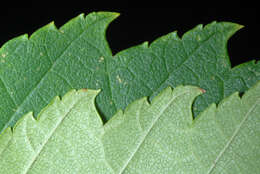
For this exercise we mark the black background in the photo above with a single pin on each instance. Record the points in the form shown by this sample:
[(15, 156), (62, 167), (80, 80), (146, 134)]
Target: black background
[(136, 25)]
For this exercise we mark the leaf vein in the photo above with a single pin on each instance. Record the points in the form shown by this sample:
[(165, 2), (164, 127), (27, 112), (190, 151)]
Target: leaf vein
[(148, 131), (49, 137), (44, 75), (232, 138), (8, 92), (185, 60)]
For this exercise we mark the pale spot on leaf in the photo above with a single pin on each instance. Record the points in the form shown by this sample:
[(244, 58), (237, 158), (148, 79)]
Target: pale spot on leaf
[(4, 55), (119, 79), (198, 38), (101, 59)]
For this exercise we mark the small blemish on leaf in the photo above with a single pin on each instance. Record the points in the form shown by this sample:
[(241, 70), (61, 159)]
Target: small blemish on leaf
[(84, 89), (4, 55), (119, 79), (101, 59), (198, 38), (202, 90)]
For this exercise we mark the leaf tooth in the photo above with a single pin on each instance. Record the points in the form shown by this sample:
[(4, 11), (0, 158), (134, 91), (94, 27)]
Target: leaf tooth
[(38, 33), (13, 43)]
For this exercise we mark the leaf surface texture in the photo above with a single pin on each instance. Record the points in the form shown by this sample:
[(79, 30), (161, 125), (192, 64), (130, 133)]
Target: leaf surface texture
[(158, 137), (64, 139), (53, 61)]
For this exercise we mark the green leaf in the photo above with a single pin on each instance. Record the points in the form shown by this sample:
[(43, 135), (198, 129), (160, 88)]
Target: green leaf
[(165, 138), (52, 61), (161, 137), (64, 139)]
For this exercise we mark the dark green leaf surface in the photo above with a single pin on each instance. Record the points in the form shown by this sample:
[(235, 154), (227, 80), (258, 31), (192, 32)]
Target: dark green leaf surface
[(52, 61)]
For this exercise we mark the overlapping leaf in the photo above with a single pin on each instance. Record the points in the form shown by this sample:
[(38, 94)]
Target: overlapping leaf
[(165, 138), (52, 61), (161, 137), (64, 139)]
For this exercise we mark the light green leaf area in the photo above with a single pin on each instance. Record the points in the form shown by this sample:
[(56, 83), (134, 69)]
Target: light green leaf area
[(65, 138), (157, 137), (52, 61)]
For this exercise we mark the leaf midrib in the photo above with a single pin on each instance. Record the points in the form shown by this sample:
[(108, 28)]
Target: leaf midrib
[(148, 131), (212, 167), (45, 74), (34, 159), (188, 56)]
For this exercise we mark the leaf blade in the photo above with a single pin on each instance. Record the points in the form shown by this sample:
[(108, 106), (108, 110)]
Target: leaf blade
[(78, 56), (217, 141), (52, 64), (167, 97), (157, 137), (46, 145)]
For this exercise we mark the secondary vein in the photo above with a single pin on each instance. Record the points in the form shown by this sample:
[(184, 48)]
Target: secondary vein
[(232, 138)]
